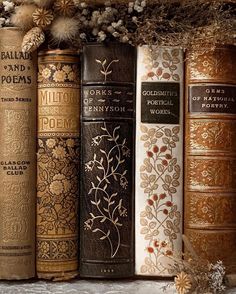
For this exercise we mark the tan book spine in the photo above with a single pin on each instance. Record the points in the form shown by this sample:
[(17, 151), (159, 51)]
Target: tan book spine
[(210, 154), (58, 163), (17, 157)]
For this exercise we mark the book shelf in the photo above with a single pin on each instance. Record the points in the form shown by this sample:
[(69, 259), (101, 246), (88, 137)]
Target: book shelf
[(90, 287)]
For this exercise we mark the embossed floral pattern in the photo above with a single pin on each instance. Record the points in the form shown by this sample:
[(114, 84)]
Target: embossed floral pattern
[(160, 171), (211, 135), (211, 173), (111, 163), (210, 64), (161, 64), (58, 72), (213, 246), (57, 250), (16, 140), (57, 201), (208, 209)]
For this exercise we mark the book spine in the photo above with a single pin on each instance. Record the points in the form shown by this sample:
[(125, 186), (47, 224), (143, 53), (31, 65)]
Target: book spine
[(58, 164), (106, 233), (159, 159), (210, 152), (17, 157)]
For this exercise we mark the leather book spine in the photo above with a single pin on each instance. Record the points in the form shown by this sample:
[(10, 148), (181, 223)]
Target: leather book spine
[(18, 91), (58, 164), (159, 159), (106, 208), (210, 154)]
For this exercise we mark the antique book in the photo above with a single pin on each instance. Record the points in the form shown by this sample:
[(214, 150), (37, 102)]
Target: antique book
[(18, 91), (58, 164), (159, 159), (210, 154), (106, 208)]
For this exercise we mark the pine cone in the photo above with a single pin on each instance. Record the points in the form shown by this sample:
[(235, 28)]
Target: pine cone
[(32, 40)]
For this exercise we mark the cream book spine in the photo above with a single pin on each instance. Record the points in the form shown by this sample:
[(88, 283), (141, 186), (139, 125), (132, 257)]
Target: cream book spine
[(159, 159)]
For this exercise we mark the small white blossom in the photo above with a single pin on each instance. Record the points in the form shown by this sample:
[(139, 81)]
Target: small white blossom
[(107, 3), (216, 277), (138, 8), (8, 6), (108, 9), (2, 21), (80, 4), (143, 3), (110, 29), (83, 36), (115, 34), (95, 31), (85, 12), (101, 36), (124, 39)]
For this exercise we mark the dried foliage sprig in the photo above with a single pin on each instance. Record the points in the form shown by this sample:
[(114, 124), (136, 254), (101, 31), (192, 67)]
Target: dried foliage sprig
[(182, 23), (196, 275)]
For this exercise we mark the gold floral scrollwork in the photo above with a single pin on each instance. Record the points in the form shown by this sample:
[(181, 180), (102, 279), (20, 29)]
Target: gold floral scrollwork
[(110, 163), (58, 73), (57, 201), (106, 69), (211, 135)]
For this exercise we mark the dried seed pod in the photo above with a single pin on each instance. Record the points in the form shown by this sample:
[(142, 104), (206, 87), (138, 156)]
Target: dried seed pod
[(42, 17), (64, 29), (65, 7), (33, 39), (22, 17)]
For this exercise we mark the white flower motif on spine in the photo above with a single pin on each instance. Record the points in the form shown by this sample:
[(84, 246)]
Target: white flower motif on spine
[(8, 5)]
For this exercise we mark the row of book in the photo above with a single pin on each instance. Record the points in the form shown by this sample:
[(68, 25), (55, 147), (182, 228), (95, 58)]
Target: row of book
[(124, 137)]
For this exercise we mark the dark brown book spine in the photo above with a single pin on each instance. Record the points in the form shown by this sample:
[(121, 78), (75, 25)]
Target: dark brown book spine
[(210, 154), (58, 164), (106, 208)]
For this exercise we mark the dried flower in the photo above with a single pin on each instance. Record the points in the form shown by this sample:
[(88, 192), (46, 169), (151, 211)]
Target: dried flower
[(194, 274), (182, 283), (64, 7), (216, 277), (64, 29), (187, 24), (2, 21), (42, 17), (8, 5), (22, 17), (33, 39)]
